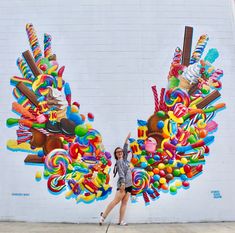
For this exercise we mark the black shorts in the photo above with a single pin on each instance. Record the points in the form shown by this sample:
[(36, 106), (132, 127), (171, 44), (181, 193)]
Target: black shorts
[(127, 189)]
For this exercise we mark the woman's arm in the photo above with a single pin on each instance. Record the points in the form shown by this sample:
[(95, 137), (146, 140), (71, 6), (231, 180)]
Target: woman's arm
[(125, 147)]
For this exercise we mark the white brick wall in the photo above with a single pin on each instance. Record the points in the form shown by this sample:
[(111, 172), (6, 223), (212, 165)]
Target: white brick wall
[(113, 52)]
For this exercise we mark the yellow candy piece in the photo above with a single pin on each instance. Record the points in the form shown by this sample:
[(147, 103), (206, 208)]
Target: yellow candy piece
[(161, 166), (162, 180), (74, 109), (184, 160), (178, 183), (142, 159), (38, 175), (182, 170)]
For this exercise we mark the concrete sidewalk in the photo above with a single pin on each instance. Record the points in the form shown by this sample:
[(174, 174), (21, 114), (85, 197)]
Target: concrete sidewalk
[(23, 227)]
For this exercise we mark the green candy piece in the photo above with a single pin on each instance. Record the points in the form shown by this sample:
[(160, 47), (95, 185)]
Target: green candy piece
[(173, 189), (156, 184), (151, 161), (80, 130), (143, 152), (173, 82), (161, 114), (176, 172)]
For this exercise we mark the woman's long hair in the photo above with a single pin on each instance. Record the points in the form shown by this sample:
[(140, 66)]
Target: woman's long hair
[(115, 166)]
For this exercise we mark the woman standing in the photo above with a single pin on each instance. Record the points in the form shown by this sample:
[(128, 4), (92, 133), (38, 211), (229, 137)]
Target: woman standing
[(124, 184)]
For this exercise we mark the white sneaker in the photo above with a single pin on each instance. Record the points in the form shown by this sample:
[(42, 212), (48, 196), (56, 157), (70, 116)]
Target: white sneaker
[(101, 219), (122, 223)]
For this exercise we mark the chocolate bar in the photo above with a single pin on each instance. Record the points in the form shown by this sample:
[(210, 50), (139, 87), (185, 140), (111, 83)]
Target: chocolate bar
[(188, 35), (208, 99), (33, 159), (28, 93), (193, 89), (31, 63)]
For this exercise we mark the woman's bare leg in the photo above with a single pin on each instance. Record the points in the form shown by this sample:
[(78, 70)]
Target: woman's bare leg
[(123, 206), (118, 197)]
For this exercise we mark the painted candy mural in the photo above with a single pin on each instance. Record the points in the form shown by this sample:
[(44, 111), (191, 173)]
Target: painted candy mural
[(173, 143), (53, 131)]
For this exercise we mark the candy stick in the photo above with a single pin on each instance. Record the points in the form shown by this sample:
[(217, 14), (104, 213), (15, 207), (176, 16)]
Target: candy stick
[(34, 44), (59, 79), (24, 69), (28, 93), (67, 92), (47, 45), (14, 80), (162, 104), (188, 35), (199, 49), (208, 99), (201, 111), (197, 144), (23, 111), (28, 123), (30, 61), (155, 98)]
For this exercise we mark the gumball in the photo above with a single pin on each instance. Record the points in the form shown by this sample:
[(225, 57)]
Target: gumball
[(156, 177), (160, 124), (162, 180), (161, 166), (150, 191), (169, 177), (151, 161), (182, 170), (41, 153), (185, 183), (176, 172), (164, 186), (142, 159), (183, 177), (179, 165), (184, 161), (134, 161), (38, 176), (156, 184), (162, 173), (156, 157), (74, 109), (143, 164), (81, 130), (173, 189), (178, 183), (90, 116), (203, 133), (150, 173), (156, 170), (187, 168), (169, 169)]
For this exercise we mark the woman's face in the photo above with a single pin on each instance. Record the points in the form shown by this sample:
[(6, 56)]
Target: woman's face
[(119, 153)]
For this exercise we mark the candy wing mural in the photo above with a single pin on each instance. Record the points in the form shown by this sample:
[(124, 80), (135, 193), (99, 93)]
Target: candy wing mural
[(172, 144), (53, 131)]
